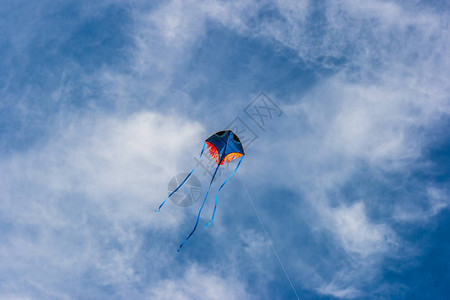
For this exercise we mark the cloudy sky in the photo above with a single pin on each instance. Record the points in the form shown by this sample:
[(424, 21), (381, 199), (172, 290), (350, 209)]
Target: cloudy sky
[(103, 102)]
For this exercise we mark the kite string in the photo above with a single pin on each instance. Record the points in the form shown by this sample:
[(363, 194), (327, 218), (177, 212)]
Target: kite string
[(217, 194), (174, 191), (267, 235)]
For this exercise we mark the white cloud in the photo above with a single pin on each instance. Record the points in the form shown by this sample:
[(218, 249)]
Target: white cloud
[(255, 244), (357, 234), (78, 201), (106, 159), (434, 201), (167, 36), (382, 128), (339, 292), (199, 283)]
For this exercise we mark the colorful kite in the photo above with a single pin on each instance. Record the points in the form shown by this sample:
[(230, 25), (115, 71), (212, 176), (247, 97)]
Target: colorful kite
[(224, 146)]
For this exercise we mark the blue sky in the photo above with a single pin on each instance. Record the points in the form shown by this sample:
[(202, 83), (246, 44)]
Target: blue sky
[(102, 104)]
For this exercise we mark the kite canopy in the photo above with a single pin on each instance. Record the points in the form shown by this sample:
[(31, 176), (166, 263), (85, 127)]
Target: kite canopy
[(224, 146)]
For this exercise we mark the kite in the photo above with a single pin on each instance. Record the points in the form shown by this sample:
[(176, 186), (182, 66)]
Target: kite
[(224, 146)]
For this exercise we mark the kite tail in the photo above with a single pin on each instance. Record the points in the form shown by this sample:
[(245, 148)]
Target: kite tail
[(217, 195), (198, 217), (181, 184)]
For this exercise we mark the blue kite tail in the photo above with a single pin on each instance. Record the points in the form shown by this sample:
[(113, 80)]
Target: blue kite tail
[(174, 191), (217, 194), (198, 217)]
